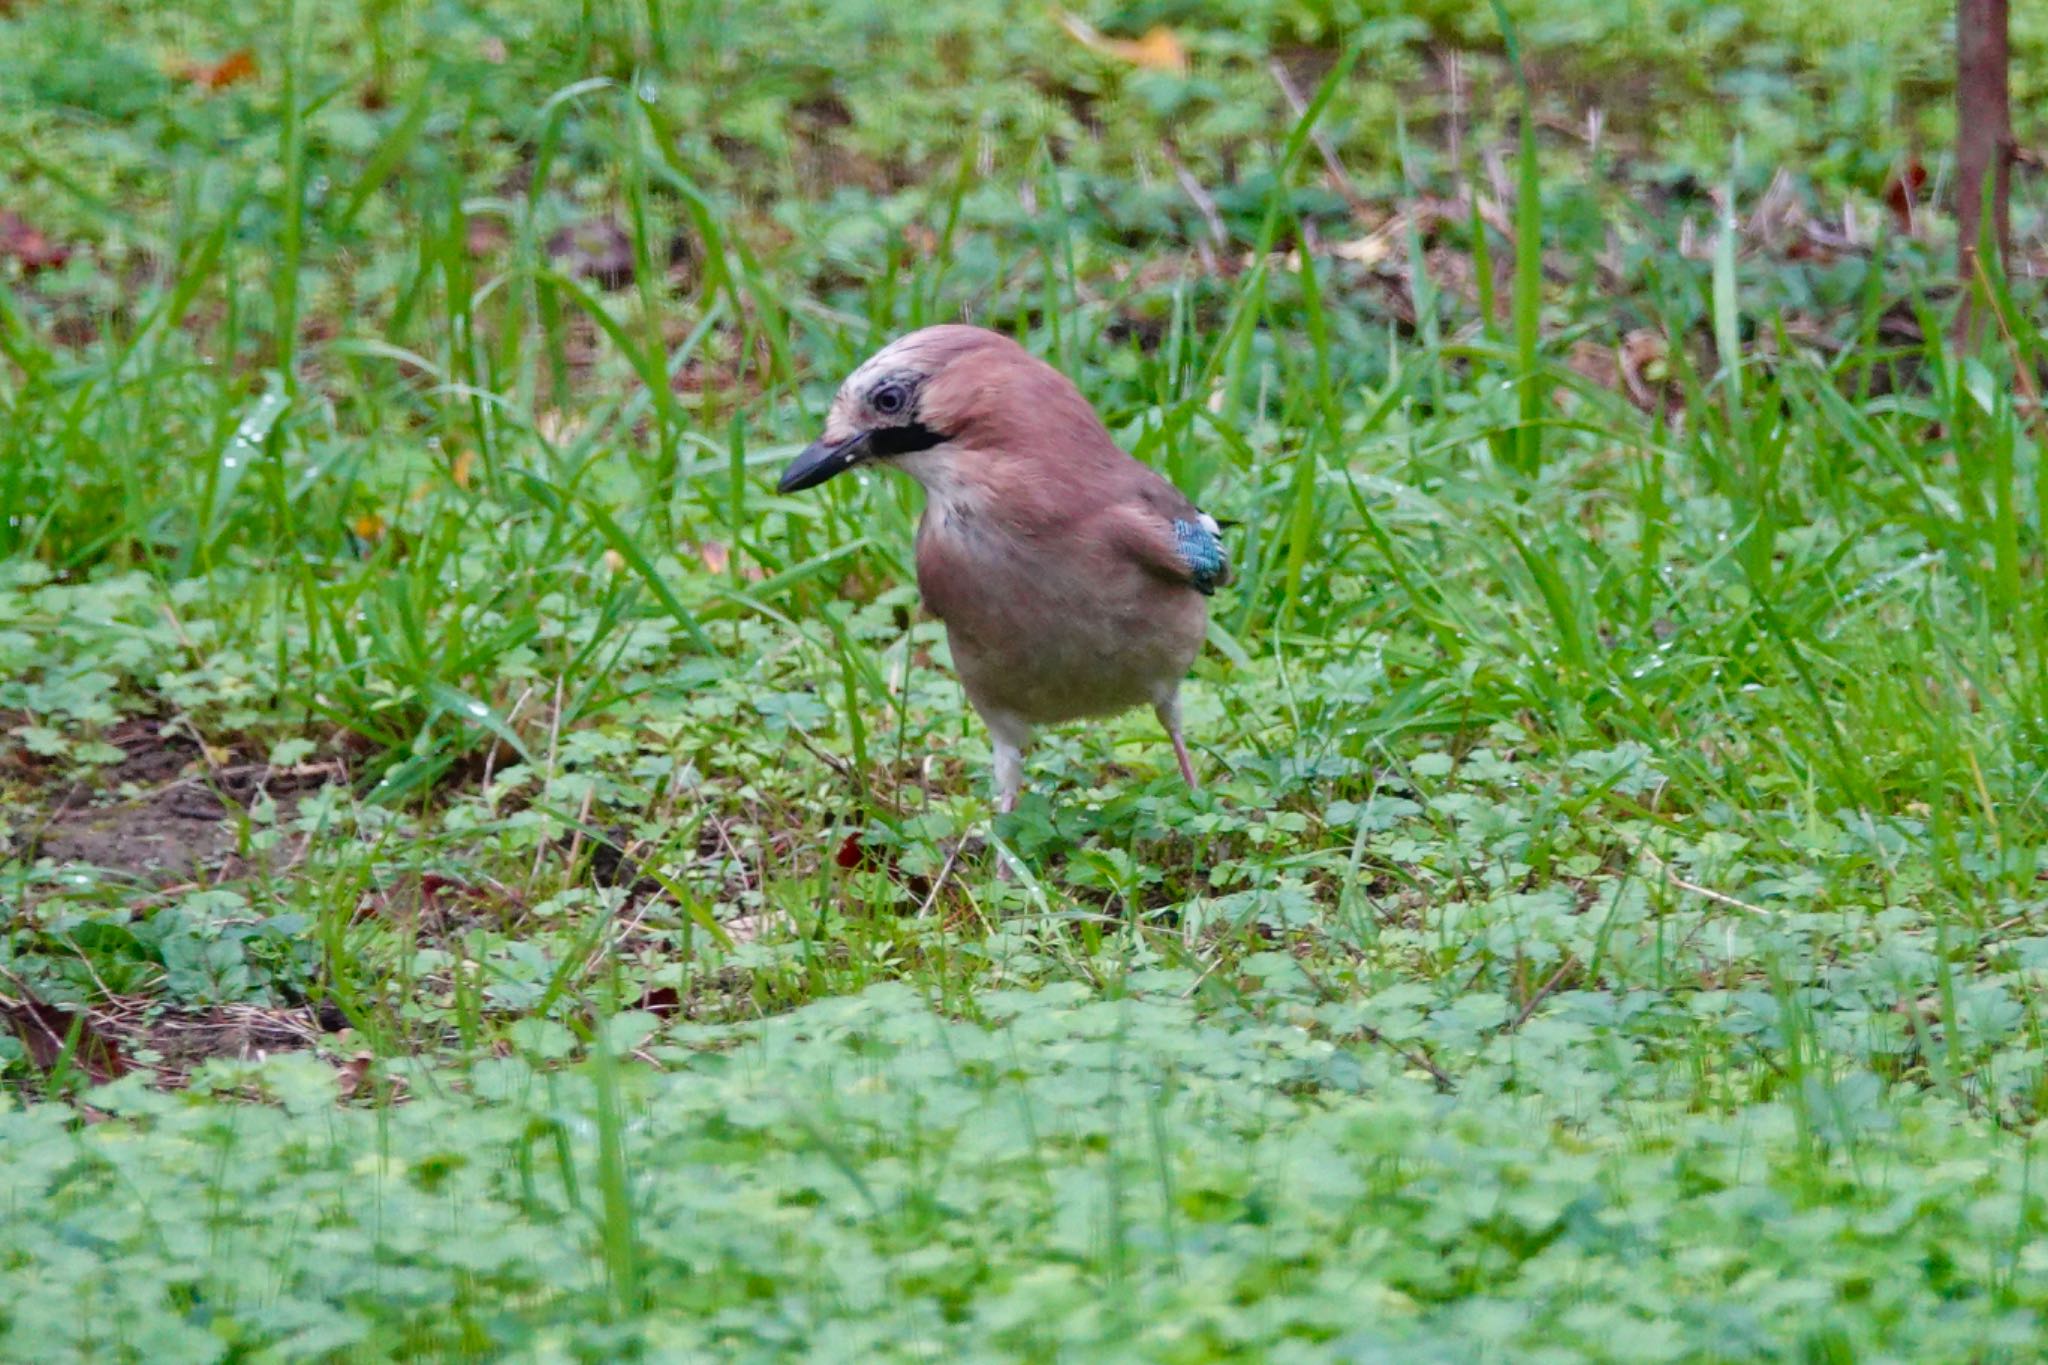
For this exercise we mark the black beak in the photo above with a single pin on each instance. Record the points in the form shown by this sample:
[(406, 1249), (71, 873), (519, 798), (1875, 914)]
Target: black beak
[(821, 460)]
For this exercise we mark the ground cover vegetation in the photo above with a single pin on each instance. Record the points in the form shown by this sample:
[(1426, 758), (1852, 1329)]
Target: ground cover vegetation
[(482, 876)]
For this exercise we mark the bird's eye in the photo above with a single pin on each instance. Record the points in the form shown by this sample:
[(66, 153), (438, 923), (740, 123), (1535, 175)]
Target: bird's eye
[(888, 400)]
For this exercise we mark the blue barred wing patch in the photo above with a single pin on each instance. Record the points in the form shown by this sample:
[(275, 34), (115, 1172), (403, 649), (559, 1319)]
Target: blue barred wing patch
[(1200, 542)]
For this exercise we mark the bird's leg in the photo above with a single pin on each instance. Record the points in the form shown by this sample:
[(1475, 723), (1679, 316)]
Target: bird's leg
[(1009, 775), (1168, 712), (1187, 769), (1010, 736)]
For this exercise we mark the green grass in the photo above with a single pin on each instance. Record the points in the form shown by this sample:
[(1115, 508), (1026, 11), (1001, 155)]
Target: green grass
[(540, 885)]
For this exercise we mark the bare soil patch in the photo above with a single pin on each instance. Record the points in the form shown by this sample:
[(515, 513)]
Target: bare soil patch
[(170, 811)]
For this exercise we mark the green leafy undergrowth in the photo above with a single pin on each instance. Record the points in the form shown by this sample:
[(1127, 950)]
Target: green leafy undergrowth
[(1063, 1171)]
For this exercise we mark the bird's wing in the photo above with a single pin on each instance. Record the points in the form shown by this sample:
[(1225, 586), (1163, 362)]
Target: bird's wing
[(1170, 536)]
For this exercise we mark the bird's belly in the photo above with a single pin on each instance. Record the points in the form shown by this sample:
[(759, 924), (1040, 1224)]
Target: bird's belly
[(1047, 648), (1048, 676)]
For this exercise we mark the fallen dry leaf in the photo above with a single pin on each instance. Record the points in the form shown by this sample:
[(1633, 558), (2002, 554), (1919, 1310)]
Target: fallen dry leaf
[(1157, 50), (46, 1030), (483, 236), (557, 427), (747, 928), (718, 559), (349, 1076), (1367, 250), (1644, 357), (237, 66), (597, 249)]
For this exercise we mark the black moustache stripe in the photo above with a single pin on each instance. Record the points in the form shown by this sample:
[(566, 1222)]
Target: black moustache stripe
[(903, 440)]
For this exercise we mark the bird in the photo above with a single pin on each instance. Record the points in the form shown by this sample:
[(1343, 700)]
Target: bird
[(1072, 579)]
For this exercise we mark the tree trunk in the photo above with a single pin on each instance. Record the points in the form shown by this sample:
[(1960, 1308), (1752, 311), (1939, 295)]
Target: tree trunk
[(1984, 144)]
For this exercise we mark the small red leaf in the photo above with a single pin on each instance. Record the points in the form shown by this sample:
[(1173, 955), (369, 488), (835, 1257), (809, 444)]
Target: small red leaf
[(1902, 192), (29, 245), (433, 886), (854, 854), (662, 1001)]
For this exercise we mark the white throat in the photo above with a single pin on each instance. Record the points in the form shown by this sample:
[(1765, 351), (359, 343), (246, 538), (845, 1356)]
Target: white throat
[(938, 469)]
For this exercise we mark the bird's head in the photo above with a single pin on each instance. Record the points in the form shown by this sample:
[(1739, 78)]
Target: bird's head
[(943, 398)]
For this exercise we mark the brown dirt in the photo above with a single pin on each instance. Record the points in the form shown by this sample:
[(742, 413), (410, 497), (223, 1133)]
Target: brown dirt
[(167, 811), (183, 834), (185, 1039)]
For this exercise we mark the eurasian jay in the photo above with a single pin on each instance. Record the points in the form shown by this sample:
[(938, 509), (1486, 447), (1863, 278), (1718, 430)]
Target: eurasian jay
[(1072, 579)]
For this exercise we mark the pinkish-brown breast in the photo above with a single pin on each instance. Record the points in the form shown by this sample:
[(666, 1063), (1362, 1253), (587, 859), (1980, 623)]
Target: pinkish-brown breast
[(1048, 624)]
